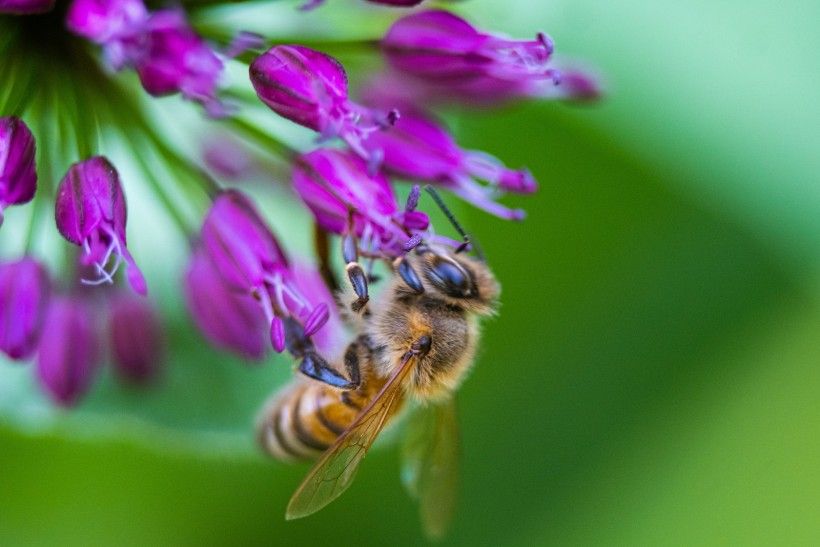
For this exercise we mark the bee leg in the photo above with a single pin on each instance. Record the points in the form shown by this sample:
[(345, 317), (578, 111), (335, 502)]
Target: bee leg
[(355, 273), (351, 360), (409, 275), (314, 366)]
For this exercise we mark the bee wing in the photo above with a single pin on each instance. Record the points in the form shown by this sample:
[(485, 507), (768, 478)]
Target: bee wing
[(430, 464), (335, 471)]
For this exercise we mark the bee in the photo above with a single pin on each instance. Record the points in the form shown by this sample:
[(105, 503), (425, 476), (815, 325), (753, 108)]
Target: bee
[(416, 345)]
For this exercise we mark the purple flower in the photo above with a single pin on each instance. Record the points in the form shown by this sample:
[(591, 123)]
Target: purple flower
[(436, 44), (22, 7), (136, 338), (117, 25), (69, 351), (24, 293), (90, 212), (247, 256), (420, 149), (330, 340), (177, 60), (310, 88), (229, 319), (18, 178), (346, 199)]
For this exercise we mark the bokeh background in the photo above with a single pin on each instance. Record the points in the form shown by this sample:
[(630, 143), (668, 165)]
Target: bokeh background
[(654, 374)]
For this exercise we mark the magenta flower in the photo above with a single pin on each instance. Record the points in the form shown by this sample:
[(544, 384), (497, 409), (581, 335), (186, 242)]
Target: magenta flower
[(136, 338), (347, 200), (18, 178), (177, 60), (90, 212), (247, 256), (117, 25), (24, 293), (420, 149), (24, 7), (436, 44), (310, 88), (331, 339), (69, 354), (229, 319)]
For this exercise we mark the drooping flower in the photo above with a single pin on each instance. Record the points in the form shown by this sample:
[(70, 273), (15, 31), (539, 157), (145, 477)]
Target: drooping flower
[(347, 199), (69, 351), (136, 338), (90, 211), (18, 178), (310, 88), (437, 44), (25, 7), (229, 319), (246, 254), (24, 293), (422, 150)]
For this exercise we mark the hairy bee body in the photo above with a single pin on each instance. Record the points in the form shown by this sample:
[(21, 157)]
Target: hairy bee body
[(437, 297)]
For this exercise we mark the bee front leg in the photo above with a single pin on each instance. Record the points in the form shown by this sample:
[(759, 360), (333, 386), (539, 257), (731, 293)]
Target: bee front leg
[(313, 364), (355, 273)]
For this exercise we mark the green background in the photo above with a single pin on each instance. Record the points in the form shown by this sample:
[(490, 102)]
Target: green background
[(653, 376)]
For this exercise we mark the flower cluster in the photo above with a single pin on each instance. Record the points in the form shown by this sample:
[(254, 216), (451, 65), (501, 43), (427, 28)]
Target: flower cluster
[(242, 289)]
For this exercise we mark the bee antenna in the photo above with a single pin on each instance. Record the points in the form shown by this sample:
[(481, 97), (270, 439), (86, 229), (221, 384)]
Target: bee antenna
[(468, 242)]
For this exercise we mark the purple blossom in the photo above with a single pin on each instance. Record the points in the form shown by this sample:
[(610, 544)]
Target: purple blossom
[(24, 293), (117, 25), (136, 338), (90, 212), (330, 340), (229, 319), (310, 88), (347, 199), (422, 150), (436, 44), (69, 351), (18, 178), (24, 7), (247, 256)]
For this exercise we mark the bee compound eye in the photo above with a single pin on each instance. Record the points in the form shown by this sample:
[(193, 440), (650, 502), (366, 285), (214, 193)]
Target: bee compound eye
[(450, 278)]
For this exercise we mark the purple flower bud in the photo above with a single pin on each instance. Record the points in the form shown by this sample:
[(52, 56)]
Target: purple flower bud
[(347, 199), (24, 293), (310, 88), (90, 212), (438, 44), (229, 319), (136, 338), (246, 254), (117, 25), (177, 60), (18, 178), (420, 149), (23, 7), (69, 351)]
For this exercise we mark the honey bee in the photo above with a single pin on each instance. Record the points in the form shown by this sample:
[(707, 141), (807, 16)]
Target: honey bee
[(415, 345)]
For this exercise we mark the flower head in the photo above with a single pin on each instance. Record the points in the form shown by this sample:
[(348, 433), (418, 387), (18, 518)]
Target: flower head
[(90, 212), (420, 149), (230, 319), (347, 199), (69, 351), (247, 256), (310, 88), (136, 338), (117, 25), (24, 7), (24, 292), (18, 178)]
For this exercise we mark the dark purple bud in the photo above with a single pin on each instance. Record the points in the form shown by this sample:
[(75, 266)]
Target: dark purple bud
[(229, 319), (440, 45), (413, 199), (310, 88), (136, 338), (18, 178), (24, 293), (24, 7), (69, 351), (420, 149), (90, 212), (335, 184)]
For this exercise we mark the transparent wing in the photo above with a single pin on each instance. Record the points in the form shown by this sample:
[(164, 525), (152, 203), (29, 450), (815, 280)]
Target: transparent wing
[(430, 465), (335, 471)]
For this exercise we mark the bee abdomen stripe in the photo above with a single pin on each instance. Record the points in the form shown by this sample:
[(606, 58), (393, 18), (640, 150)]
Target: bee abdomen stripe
[(299, 428), (332, 426), (279, 436)]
